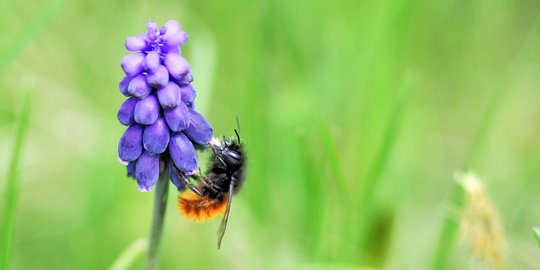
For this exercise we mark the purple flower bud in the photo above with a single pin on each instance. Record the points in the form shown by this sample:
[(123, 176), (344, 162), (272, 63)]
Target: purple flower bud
[(146, 110), (124, 83), (156, 137), (169, 96), (152, 30), (125, 114), (175, 178), (132, 64), (147, 171), (135, 44), (178, 117), (171, 26), (185, 79), (199, 130), (175, 39), (151, 62), (183, 153), (188, 93), (130, 146), (130, 167), (158, 79), (139, 87), (177, 65)]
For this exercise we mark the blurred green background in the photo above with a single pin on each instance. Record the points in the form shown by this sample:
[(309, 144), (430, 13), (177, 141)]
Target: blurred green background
[(355, 114)]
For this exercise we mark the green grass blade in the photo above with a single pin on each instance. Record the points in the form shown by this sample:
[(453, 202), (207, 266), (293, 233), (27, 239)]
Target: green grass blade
[(537, 234), (12, 188), (365, 204), (130, 254), (29, 33)]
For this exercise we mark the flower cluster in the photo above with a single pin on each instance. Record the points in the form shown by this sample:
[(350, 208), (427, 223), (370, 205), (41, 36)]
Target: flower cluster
[(163, 126)]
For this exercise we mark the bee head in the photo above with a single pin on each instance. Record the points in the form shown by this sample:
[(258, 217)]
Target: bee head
[(232, 154)]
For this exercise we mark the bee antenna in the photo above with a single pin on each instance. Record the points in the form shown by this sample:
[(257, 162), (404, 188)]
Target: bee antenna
[(238, 126)]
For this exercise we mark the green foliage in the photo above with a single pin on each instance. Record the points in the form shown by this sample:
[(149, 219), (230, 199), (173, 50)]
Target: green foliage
[(355, 116)]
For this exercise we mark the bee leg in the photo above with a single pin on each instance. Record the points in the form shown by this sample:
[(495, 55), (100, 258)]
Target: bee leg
[(186, 182), (209, 184)]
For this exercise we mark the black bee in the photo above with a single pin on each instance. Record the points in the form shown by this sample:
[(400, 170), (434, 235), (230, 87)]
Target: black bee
[(211, 195)]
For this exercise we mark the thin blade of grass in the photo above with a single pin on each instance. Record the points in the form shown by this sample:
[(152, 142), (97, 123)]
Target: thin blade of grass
[(365, 204), (127, 257), (536, 231), (449, 228), (29, 33), (12, 186)]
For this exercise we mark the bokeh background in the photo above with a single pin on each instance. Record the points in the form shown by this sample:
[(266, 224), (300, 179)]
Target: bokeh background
[(356, 116)]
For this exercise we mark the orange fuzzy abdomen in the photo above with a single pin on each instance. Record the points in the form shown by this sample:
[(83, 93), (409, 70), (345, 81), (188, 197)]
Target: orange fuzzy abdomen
[(199, 208)]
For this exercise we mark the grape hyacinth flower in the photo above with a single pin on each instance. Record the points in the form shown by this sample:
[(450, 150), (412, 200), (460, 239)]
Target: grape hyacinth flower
[(163, 126)]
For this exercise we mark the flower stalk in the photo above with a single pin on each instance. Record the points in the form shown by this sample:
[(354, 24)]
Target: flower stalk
[(160, 205)]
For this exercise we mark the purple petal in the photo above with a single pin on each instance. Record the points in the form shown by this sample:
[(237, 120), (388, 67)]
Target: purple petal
[(146, 110), (177, 65), (171, 26), (169, 96), (175, 50), (151, 62), (175, 178), (183, 153), (156, 137), (130, 146), (175, 39), (178, 117), (188, 93), (124, 83), (125, 114), (147, 171), (132, 64), (199, 130), (130, 167), (135, 44), (139, 86), (185, 79), (151, 26), (158, 79)]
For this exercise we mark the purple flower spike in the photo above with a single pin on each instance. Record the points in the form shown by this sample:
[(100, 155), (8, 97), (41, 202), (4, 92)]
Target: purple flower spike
[(132, 64), (125, 114), (188, 93), (177, 65), (158, 79), (199, 130), (174, 177), (156, 137), (183, 153), (151, 62), (147, 171), (130, 146), (139, 87), (135, 44), (178, 117), (123, 85), (169, 96), (146, 110), (163, 126)]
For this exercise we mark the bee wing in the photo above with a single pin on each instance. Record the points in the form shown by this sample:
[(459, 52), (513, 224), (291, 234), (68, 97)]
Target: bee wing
[(223, 224)]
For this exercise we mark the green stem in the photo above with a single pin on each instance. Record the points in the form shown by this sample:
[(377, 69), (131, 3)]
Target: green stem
[(449, 229), (160, 205), (12, 187)]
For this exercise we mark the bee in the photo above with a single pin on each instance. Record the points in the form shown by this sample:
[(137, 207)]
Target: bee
[(211, 195)]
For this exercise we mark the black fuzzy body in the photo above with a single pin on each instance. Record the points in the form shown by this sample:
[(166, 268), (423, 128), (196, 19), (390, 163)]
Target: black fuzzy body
[(227, 164)]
